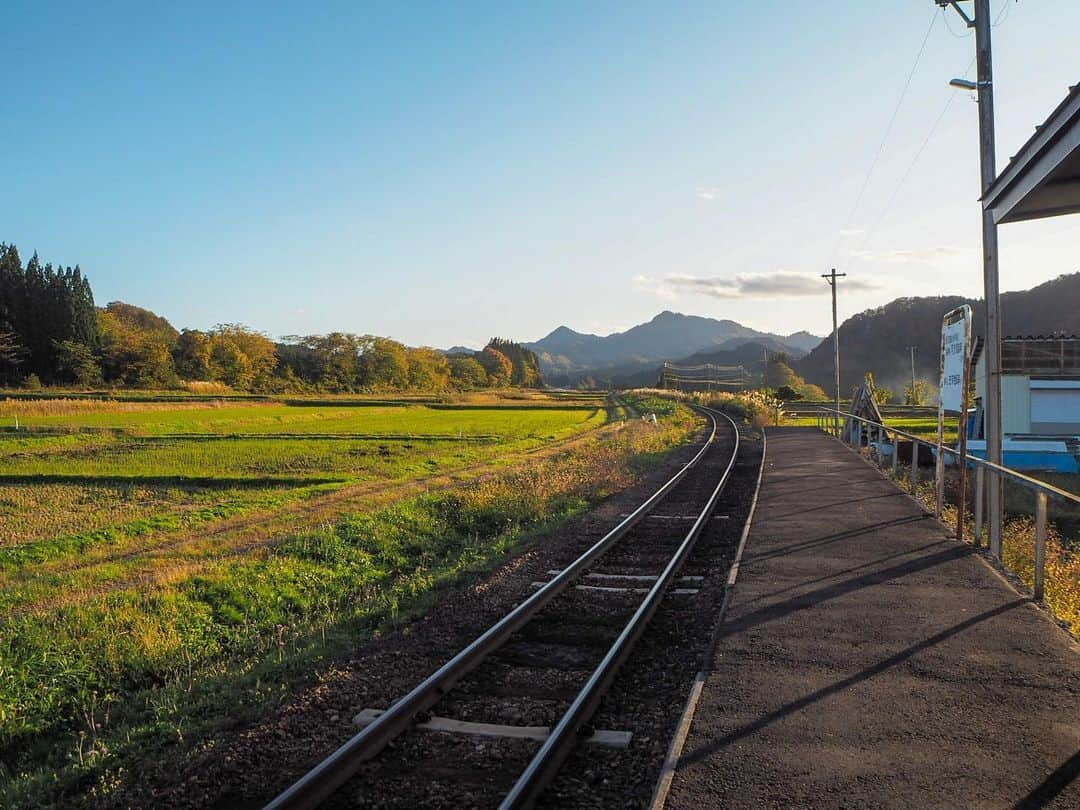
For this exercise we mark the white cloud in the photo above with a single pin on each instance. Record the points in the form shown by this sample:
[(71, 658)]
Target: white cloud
[(709, 193), (653, 286), (778, 284), (846, 233), (927, 255)]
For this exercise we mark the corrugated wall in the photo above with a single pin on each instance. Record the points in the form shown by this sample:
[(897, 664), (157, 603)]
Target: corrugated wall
[(1015, 403)]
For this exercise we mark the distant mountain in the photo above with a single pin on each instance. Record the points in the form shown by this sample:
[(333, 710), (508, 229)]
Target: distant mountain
[(567, 356), (459, 350), (877, 340), (803, 340)]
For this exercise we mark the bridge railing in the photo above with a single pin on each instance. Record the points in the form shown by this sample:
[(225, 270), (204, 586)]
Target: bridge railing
[(855, 430)]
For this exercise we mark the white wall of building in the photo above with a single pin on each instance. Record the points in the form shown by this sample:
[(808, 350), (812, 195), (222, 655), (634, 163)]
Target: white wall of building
[(1055, 407), (1015, 403)]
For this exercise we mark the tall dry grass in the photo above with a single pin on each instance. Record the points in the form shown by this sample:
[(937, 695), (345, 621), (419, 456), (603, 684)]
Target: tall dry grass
[(10, 408), (1018, 554)]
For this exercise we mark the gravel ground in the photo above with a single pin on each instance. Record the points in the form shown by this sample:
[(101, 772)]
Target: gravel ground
[(650, 692), (246, 767), (532, 679)]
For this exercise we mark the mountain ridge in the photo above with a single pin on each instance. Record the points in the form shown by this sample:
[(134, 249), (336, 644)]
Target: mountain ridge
[(877, 340), (567, 356)]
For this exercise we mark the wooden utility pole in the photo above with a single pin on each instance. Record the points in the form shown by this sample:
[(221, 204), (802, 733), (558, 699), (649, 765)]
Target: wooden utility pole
[(831, 277), (992, 350), (987, 170)]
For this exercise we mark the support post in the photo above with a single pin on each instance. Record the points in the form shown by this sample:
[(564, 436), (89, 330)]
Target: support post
[(914, 466), (1040, 546), (980, 478), (961, 460), (895, 454)]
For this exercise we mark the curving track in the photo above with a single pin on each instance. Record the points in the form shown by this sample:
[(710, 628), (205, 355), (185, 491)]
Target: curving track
[(547, 663)]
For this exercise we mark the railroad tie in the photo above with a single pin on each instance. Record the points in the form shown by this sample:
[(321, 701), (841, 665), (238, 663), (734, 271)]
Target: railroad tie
[(624, 588), (636, 577), (605, 737), (677, 517)]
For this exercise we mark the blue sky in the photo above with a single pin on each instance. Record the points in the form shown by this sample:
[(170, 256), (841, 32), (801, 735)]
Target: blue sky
[(442, 173)]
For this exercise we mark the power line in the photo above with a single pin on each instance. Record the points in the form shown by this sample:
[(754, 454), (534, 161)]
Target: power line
[(888, 129), (1002, 15), (911, 166)]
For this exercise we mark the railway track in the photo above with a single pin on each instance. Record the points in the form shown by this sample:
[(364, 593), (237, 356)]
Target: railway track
[(519, 699)]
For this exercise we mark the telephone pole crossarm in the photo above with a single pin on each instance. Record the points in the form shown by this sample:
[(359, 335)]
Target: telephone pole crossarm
[(970, 23)]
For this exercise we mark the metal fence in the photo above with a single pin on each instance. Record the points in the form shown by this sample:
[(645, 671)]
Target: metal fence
[(856, 430)]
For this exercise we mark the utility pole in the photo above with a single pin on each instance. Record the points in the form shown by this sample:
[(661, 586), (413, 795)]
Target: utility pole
[(988, 171), (913, 397), (831, 277)]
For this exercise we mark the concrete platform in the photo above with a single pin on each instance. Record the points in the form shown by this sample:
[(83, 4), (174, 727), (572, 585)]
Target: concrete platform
[(868, 660)]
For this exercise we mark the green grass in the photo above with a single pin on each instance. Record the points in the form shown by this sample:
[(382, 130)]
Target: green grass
[(925, 427), (321, 419), (115, 644), (51, 485)]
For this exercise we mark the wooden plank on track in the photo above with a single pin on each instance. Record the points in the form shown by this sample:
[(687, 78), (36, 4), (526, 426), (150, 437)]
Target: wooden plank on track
[(615, 589), (606, 737), (633, 577)]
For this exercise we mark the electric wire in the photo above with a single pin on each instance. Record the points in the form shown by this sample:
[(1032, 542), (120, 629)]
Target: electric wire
[(910, 168), (888, 130), (1004, 13)]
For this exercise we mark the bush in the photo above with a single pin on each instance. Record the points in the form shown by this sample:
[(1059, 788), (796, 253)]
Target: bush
[(755, 407)]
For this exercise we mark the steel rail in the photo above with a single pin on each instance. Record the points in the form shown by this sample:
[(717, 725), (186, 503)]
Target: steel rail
[(325, 778), (558, 745)]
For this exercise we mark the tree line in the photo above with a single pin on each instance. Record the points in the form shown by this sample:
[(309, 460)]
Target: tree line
[(51, 333)]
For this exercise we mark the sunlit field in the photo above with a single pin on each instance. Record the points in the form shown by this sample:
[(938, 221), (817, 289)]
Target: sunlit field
[(160, 561), (925, 427)]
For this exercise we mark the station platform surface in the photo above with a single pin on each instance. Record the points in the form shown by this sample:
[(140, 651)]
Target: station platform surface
[(867, 659)]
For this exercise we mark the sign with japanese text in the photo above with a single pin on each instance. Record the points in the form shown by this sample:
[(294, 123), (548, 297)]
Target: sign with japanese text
[(955, 343)]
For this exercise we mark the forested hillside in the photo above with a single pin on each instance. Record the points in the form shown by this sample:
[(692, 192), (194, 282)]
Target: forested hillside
[(51, 333), (877, 340)]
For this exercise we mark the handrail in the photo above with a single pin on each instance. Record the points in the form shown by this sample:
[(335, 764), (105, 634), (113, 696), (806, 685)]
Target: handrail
[(1026, 480)]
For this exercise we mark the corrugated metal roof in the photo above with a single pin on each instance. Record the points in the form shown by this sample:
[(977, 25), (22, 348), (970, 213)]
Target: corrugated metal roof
[(1041, 179)]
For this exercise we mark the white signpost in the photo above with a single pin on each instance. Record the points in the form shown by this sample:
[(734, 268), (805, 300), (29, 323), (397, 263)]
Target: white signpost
[(953, 397)]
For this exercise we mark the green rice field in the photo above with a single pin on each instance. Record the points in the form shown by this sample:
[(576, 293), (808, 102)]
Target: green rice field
[(161, 562)]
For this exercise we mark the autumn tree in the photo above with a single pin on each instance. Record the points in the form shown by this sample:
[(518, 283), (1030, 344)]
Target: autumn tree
[(497, 365), (242, 357), (525, 366), (330, 362), (466, 372), (429, 370), (191, 355), (136, 346), (384, 363)]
